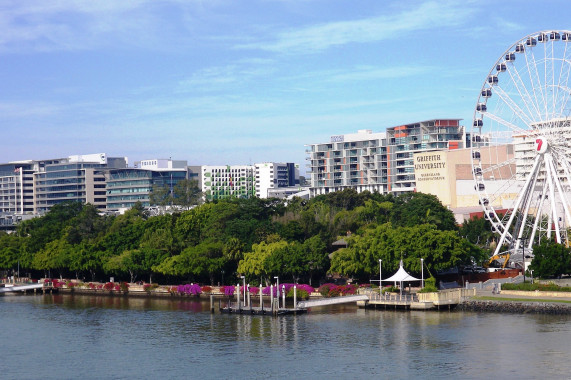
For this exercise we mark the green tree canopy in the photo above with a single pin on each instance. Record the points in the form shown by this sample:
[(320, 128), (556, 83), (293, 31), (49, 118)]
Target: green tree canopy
[(551, 259)]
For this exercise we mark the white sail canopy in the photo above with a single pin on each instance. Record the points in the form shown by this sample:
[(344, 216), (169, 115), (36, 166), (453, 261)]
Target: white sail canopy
[(401, 276)]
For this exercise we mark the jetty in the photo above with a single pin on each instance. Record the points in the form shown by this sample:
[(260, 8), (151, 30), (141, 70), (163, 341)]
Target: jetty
[(444, 299)]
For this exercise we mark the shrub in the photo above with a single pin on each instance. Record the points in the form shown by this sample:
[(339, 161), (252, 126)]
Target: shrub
[(325, 289), (124, 287), (391, 289), (206, 289), (309, 289), (70, 284), (266, 291), (149, 287), (301, 294), (429, 286), (109, 286), (551, 287), (228, 290), (348, 290), (191, 289), (254, 290)]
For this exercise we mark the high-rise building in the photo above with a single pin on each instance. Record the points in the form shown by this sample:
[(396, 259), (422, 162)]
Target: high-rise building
[(379, 162), (275, 175), (351, 161)]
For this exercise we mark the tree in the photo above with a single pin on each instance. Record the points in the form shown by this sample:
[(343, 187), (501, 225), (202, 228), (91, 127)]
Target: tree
[(187, 193), (205, 259), (411, 209), (439, 249), (478, 231), (255, 262), (131, 262), (160, 195), (551, 259)]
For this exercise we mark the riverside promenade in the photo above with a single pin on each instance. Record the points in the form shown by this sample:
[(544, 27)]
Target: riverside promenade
[(519, 302)]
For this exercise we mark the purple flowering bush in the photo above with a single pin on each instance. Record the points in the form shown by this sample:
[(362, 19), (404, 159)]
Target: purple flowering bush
[(228, 290), (190, 289), (266, 291)]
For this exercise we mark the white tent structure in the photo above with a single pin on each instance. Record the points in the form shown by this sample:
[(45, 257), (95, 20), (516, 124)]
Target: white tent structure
[(401, 276)]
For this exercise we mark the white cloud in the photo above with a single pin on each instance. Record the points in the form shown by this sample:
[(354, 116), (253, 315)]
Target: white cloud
[(313, 38), (40, 25)]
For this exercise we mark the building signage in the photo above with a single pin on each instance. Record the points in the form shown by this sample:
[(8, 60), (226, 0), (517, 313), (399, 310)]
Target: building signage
[(429, 167), (339, 138)]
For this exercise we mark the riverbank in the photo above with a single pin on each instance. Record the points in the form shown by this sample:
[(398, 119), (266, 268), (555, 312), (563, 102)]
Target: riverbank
[(515, 307)]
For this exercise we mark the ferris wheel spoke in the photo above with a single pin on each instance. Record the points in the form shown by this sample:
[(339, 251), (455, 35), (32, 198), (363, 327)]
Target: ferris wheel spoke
[(527, 200), (530, 102), (537, 88), (518, 203), (553, 214), (514, 128), (564, 80), (538, 216)]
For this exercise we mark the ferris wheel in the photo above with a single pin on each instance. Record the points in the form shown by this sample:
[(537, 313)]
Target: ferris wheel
[(521, 142)]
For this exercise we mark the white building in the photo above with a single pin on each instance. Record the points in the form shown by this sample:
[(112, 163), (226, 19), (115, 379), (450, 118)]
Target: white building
[(227, 181), (271, 176)]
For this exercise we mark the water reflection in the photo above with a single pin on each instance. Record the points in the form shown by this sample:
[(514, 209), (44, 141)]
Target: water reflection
[(145, 338)]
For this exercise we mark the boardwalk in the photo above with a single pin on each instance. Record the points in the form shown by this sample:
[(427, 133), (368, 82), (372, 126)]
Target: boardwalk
[(20, 288), (332, 301)]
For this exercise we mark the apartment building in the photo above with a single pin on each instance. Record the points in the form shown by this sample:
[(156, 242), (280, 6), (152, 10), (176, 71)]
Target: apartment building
[(379, 162)]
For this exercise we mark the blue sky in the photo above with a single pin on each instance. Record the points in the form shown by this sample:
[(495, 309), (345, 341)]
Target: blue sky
[(239, 82)]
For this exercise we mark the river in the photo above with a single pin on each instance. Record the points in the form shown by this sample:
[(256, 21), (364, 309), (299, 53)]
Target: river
[(71, 336)]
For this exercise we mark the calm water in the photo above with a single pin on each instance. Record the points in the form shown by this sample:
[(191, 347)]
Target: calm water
[(65, 336)]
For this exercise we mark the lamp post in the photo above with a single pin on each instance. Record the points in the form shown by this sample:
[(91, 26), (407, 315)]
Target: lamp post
[(422, 272), (244, 281), (380, 276), (522, 241), (278, 289)]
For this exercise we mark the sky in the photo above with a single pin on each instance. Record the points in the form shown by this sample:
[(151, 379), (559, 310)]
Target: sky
[(236, 82)]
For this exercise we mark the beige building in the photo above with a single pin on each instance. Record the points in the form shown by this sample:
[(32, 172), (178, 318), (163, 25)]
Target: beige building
[(448, 175)]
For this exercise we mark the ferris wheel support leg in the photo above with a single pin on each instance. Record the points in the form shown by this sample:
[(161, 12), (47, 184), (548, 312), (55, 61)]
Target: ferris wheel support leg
[(560, 190), (553, 214), (538, 217), (517, 205), (527, 204)]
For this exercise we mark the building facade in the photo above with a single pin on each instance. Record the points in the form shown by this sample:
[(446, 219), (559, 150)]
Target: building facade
[(127, 186), (275, 175), (379, 162), (222, 182), (357, 161)]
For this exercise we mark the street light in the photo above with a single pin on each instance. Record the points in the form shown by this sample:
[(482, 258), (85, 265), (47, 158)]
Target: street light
[(380, 275), (244, 280), (522, 241), (278, 289), (422, 272)]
